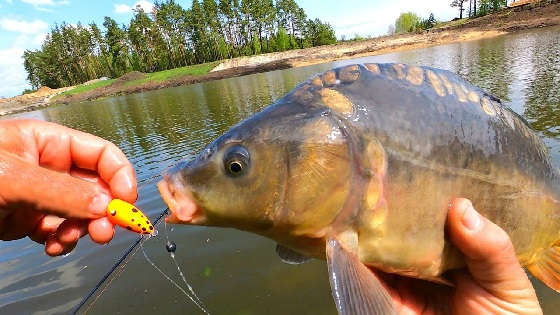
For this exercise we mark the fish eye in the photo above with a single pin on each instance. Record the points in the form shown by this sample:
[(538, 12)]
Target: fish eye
[(236, 161)]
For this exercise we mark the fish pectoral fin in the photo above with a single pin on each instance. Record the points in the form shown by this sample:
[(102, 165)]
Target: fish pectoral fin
[(355, 288), (547, 268), (290, 256)]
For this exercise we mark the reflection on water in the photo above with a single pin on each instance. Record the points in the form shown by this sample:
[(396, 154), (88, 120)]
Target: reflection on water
[(235, 272)]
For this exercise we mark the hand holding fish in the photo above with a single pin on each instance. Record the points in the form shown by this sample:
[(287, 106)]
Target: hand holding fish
[(56, 182), (494, 284)]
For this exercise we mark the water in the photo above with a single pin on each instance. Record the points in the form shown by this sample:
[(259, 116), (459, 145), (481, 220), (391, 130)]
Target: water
[(231, 271)]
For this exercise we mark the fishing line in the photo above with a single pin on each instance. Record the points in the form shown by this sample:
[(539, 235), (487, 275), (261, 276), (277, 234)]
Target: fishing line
[(148, 180), (124, 258), (194, 298), (170, 245), (169, 165), (130, 252)]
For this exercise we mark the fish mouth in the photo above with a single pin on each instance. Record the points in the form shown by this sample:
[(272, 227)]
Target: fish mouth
[(181, 203)]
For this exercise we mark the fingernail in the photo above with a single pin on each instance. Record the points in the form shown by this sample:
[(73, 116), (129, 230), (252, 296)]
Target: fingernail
[(99, 204), (123, 185), (471, 219), (128, 183)]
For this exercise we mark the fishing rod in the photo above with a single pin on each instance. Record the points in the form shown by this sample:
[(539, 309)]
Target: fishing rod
[(116, 265)]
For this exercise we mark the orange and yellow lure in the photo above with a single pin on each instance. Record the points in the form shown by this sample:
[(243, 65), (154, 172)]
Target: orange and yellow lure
[(127, 216)]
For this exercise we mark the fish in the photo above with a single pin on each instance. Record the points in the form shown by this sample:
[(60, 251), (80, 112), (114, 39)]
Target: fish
[(358, 165)]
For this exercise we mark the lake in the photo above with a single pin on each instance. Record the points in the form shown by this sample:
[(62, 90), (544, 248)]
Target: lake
[(235, 272)]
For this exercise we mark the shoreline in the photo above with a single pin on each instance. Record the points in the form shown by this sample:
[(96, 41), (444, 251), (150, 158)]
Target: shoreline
[(507, 21)]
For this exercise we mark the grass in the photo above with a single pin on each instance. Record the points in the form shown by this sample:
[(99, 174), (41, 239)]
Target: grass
[(84, 88), (451, 23), (165, 75), (159, 76)]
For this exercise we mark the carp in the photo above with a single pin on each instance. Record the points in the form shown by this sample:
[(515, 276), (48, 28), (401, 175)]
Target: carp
[(358, 165)]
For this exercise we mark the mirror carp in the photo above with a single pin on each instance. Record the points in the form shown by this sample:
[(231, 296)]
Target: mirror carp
[(358, 166)]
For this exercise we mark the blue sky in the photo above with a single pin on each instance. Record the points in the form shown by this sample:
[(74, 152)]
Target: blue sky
[(24, 23)]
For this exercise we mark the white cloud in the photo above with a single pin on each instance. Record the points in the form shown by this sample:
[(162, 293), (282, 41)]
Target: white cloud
[(9, 1), (24, 27), (147, 6), (38, 2), (30, 36), (39, 39), (7, 56), (12, 74), (122, 8), (375, 20)]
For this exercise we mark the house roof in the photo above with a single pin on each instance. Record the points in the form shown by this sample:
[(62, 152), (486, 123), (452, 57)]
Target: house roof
[(519, 3)]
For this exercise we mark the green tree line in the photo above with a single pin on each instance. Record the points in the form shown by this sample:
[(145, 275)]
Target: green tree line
[(478, 8), (171, 36), (409, 22)]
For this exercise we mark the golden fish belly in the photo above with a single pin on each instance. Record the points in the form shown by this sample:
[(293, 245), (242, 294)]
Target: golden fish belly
[(407, 237)]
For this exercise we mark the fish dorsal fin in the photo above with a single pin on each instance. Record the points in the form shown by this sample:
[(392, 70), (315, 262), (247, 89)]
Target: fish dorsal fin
[(547, 267), (290, 256), (355, 288)]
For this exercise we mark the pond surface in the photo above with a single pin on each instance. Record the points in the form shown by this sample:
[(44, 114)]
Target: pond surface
[(235, 272)]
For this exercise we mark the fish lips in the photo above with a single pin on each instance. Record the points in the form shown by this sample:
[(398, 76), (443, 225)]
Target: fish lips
[(180, 201)]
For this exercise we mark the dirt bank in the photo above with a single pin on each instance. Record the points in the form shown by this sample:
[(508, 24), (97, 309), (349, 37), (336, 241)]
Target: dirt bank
[(507, 21)]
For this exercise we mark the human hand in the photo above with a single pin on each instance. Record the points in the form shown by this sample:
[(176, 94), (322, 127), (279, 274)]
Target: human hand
[(55, 183), (494, 282)]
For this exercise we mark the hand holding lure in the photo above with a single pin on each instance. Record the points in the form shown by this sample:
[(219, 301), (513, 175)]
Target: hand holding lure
[(129, 217)]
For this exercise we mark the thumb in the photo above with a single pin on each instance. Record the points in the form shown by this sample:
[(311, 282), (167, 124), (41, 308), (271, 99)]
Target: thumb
[(489, 253), (28, 185)]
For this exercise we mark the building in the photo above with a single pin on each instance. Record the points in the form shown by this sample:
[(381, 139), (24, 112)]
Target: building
[(520, 3)]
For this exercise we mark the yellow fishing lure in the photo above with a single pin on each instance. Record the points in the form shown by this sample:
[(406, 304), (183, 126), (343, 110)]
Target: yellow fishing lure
[(127, 216)]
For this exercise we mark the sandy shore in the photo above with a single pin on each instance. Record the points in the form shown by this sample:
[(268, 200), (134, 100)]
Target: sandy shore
[(507, 21)]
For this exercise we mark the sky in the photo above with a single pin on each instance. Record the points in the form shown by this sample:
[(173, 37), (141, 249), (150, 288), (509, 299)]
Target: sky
[(25, 23)]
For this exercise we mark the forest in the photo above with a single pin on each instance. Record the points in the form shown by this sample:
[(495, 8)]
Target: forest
[(170, 37), (410, 22), (478, 8)]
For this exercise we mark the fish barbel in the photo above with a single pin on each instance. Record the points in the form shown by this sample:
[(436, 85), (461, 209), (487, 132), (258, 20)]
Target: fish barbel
[(358, 165)]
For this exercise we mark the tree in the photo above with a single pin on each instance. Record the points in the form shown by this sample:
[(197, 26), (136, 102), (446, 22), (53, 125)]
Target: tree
[(171, 36), (497, 5), (406, 22), (115, 38), (292, 18), (490, 6), (320, 33), (172, 19), (459, 4), (428, 23), (282, 40)]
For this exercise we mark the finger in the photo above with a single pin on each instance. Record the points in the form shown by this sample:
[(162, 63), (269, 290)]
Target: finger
[(87, 175), (51, 192), (93, 153), (66, 237), (101, 230), (46, 227), (61, 147), (19, 223), (489, 253), (54, 151), (53, 246), (70, 231), (91, 177)]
